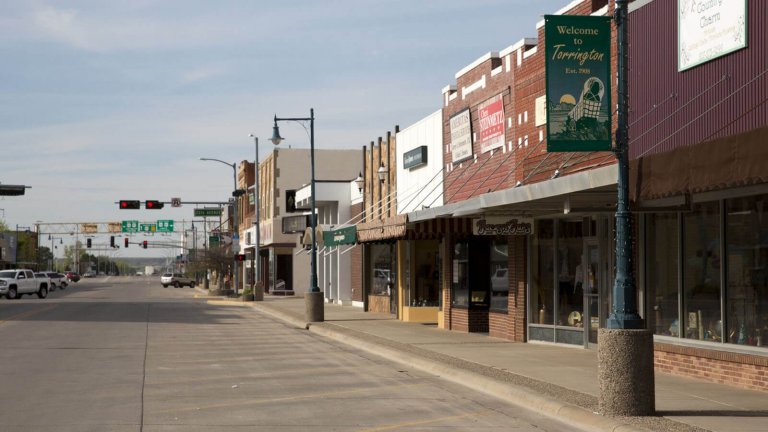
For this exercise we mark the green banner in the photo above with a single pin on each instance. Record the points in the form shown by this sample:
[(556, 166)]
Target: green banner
[(340, 236), (578, 75)]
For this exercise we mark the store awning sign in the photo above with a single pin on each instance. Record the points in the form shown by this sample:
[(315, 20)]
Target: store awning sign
[(340, 236), (503, 227), (578, 79)]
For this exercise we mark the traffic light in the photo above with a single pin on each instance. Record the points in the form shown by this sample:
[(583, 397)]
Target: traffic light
[(111, 241), (130, 204), (126, 242), (145, 244), (88, 243), (240, 257), (153, 205)]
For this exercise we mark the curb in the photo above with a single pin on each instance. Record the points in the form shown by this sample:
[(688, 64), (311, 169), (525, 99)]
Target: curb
[(571, 414)]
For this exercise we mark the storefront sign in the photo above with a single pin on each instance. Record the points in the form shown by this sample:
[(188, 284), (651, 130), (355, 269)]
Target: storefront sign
[(340, 236), (415, 158), (516, 226), (578, 75), (461, 136), (708, 29), (295, 224), (89, 228), (490, 117)]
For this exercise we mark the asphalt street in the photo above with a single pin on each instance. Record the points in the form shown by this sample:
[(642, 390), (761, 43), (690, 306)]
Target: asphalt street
[(125, 354)]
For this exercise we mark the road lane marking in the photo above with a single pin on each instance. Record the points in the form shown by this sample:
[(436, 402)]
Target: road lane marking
[(283, 399), (423, 422), (28, 313)]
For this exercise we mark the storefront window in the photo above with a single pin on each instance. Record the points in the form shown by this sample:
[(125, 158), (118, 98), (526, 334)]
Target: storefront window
[(383, 272), (460, 285), (662, 263), (701, 273), (423, 290), (574, 275), (747, 252), (499, 275), (542, 273)]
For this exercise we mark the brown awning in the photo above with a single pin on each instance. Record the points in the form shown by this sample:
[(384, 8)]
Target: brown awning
[(737, 160)]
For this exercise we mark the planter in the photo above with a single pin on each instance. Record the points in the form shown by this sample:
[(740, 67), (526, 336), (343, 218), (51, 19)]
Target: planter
[(248, 298)]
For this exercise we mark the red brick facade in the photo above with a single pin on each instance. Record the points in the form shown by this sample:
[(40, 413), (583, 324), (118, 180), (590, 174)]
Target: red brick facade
[(736, 369), (356, 263)]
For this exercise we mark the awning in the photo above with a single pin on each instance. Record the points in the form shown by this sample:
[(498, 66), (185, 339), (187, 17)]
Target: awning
[(385, 229), (592, 190)]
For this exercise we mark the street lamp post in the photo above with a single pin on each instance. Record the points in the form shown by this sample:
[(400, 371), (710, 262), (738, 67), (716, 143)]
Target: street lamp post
[(313, 298), (53, 248), (235, 228), (625, 349), (256, 263)]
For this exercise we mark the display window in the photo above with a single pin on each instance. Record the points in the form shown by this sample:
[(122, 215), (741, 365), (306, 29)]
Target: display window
[(723, 300), (499, 274)]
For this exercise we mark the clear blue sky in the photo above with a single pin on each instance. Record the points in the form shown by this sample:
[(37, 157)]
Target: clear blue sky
[(108, 100)]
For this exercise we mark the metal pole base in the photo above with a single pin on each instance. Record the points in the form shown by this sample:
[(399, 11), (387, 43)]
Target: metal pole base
[(258, 291), (625, 372), (313, 302)]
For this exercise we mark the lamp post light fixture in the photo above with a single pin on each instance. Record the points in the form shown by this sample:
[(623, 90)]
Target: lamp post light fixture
[(360, 182), (382, 172), (235, 225), (314, 298)]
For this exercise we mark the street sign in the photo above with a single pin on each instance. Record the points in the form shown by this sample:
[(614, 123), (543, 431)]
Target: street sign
[(208, 211), (175, 202), (147, 227), (213, 241), (165, 225), (130, 226)]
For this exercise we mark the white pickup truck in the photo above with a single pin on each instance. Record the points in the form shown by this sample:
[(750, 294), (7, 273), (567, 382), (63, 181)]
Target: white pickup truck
[(16, 283)]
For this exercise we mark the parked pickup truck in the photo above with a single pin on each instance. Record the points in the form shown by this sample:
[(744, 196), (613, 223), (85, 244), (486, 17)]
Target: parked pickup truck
[(176, 280), (16, 283)]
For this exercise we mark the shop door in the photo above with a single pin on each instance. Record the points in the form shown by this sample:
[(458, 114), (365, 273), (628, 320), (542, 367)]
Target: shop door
[(593, 291)]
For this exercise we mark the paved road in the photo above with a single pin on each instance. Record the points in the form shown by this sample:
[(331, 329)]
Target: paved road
[(125, 354)]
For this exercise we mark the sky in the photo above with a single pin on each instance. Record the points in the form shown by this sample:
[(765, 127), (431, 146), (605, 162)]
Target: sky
[(109, 100)]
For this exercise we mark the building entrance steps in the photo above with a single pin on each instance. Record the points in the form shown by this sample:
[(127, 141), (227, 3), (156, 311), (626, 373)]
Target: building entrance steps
[(553, 379)]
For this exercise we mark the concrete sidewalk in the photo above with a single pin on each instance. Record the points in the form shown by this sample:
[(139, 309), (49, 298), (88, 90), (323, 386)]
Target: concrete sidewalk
[(556, 380)]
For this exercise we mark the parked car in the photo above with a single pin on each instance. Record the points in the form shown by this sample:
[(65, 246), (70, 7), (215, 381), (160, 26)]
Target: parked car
[(15, 283), (58, 280), (176, 280), (72, 276)]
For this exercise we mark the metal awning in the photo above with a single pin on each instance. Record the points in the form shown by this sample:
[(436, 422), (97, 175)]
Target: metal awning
[(583, 192)]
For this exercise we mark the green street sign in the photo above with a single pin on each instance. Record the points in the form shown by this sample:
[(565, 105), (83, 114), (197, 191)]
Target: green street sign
[(130, 226), (578, 80), (213, 241), (147, 227), (208, 211), (165, 225)]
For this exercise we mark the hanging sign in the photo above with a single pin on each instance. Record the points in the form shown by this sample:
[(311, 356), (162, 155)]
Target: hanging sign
[(578, 78), (503, 227)]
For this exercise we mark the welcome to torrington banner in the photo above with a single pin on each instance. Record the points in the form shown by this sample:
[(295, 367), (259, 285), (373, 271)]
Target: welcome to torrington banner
[(578, 74)]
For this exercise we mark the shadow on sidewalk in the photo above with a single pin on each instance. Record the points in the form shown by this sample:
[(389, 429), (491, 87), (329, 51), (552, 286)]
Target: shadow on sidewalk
[(712, 413)]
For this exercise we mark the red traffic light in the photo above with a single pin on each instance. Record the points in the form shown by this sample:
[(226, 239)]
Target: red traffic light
[(240, 257), (126, 242), (130, 204), (145, 244), (153, 205)]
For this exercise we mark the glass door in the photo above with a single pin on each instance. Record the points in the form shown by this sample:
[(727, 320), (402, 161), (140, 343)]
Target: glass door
[(591, 280)]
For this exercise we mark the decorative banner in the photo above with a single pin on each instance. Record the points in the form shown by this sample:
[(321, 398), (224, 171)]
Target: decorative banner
[(709, 29), (578, 74), (490, 117), (508, 227), (461, 136)]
